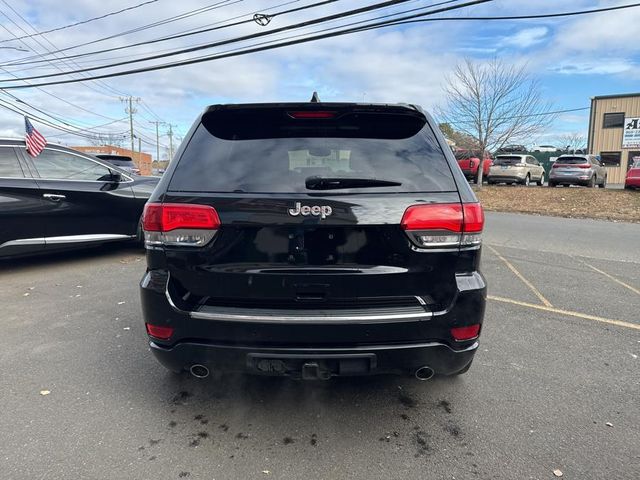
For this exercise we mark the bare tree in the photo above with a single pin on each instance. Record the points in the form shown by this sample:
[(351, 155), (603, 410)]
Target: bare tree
[(495, 103), (107, 139), (570, 142)]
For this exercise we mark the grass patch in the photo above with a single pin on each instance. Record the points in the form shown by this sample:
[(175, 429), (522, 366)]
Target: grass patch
[(570, 202)]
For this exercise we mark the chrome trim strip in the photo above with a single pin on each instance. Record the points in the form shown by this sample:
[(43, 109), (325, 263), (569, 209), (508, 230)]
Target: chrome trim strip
[(287, 317), (95, 237), (24, 241), (290, 317)]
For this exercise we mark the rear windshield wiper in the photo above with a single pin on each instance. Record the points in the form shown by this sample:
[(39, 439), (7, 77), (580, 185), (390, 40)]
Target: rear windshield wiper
[(330, 183)]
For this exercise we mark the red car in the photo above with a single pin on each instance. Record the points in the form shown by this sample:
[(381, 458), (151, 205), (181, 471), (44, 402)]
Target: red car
[(633, 176), (469, 161)]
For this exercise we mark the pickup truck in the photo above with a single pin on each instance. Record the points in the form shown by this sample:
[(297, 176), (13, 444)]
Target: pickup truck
[(469, 161)]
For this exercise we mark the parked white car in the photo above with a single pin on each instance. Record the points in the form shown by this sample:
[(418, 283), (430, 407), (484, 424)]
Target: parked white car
[(544, 148)]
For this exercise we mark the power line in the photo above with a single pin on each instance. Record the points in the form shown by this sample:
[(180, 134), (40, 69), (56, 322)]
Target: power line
[(267, 16), (36, 40), (540, 114), (175, 18), (524, 17), (260, 49), (82, 22), (240, 39)]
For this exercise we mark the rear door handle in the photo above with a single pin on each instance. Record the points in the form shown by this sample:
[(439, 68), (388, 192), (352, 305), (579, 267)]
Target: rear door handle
[(53, 197)]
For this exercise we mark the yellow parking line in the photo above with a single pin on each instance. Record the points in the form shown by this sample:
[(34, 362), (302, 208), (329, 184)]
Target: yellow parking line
[(521, 277), (618, 323), (611, 277)]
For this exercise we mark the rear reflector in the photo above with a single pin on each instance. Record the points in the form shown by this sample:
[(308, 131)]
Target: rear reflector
[(312, 114), (179, 224), (447, 225), (465, 333), (159, 332)]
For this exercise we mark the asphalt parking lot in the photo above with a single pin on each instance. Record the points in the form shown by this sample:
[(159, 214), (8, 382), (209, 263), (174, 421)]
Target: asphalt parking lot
[(555, 384)]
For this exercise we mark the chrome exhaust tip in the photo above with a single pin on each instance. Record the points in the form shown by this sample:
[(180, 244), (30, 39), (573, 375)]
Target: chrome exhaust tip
[(199, 371), (424, 373)]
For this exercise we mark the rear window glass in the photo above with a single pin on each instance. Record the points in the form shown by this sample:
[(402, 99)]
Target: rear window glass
[(571, 160), (277, 155), (511, 160)]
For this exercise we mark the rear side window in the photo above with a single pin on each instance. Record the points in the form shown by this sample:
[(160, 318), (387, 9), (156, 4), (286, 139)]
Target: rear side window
[(9, 164), (251, 153)]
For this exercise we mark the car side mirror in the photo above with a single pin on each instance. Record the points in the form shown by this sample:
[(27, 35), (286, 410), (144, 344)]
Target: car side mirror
[(115, 177)]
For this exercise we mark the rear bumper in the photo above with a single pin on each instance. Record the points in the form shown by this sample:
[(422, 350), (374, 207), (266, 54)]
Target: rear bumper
[(633, 182), (328, 362), (570, 179), (506, 178), (340, 345)]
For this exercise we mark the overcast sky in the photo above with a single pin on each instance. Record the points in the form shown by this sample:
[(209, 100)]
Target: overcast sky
[(575, 59)]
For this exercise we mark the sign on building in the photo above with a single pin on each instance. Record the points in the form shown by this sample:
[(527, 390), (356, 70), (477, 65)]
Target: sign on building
[(631, 132)]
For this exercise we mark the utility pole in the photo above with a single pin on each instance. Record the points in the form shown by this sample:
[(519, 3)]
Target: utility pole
[(170, 133), (157, 124), (130, 110)]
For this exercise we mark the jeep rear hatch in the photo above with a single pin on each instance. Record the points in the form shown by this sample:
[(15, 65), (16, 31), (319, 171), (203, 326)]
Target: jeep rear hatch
[(309, 208)]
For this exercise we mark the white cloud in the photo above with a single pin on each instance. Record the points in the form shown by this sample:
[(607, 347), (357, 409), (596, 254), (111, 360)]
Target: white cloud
[(527, 37), (593, 67)]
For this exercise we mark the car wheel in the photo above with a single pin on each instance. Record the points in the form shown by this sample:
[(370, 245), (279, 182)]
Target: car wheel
[(527, 180), (551, 184), (592, 182), (139, 234), (541, 181), (604, 183)]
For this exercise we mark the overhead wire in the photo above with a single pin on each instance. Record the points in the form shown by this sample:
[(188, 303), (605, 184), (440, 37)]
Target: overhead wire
[(82, 22), (269, 16), (174, 18), (314, 21), (263, 48)]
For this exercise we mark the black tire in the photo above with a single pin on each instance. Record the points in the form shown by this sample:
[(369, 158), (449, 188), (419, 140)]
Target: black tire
[(527, 180), (490, 182), (551, 184), (139, 240), (604, 183), (592, 182), (541, 181)]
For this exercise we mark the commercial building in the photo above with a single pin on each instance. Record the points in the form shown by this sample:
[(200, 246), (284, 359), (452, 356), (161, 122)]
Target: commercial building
[(142, 160), (614, 132)]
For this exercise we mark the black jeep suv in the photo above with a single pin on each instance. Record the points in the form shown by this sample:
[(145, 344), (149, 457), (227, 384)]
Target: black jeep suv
[(314, 240)]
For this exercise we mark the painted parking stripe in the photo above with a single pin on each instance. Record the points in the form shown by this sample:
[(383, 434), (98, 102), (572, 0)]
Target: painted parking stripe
[(611, 277), (584, 316), (535, 291)]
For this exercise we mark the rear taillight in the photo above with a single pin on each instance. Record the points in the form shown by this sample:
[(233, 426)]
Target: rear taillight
[(179, 224), (448, 225), (461, 334), (159, 331)]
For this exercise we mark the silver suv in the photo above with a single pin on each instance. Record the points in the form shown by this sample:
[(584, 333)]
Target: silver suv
[(522, 169), (578, 170)]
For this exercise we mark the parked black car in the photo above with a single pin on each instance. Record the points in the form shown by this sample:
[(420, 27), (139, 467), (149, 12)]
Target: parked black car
[(314, 240), (121, 161), (64, 198)]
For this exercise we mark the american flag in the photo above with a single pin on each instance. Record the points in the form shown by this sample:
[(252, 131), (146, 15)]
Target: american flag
[(33, 138)]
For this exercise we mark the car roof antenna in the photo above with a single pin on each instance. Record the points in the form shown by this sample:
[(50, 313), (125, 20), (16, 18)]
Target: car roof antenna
[(315, 98)]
